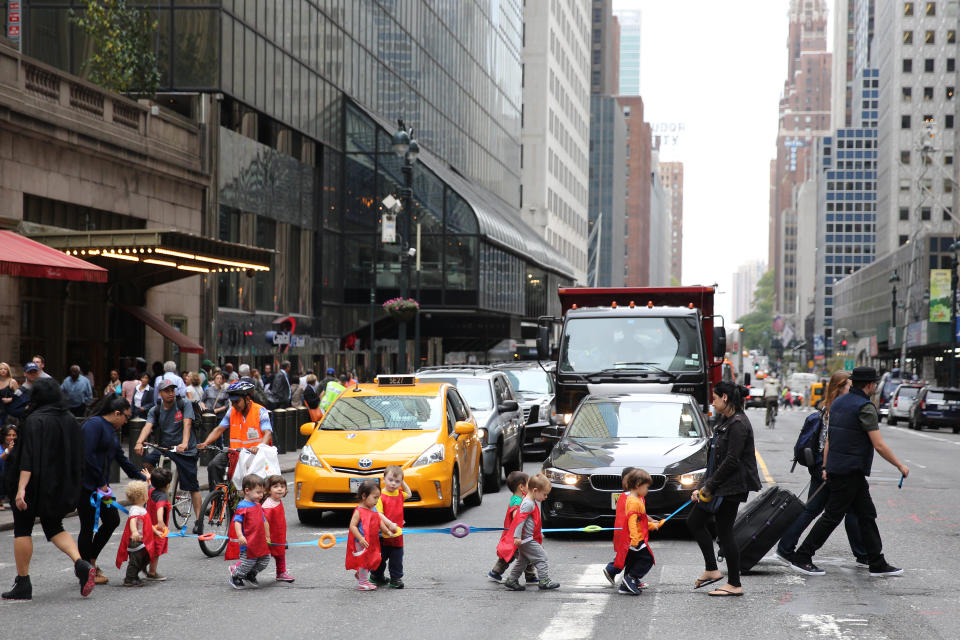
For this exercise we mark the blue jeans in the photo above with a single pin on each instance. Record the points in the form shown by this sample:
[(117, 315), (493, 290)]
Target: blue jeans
[(814, 508)]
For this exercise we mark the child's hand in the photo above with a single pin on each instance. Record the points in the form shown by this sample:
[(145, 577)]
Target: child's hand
[(157, 531), (653, 526), (516, 542), (135, 537), (393, 528), (242, 541), (363, 542)]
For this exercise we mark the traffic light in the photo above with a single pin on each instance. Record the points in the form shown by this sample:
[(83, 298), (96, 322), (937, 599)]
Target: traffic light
[(843, 343)]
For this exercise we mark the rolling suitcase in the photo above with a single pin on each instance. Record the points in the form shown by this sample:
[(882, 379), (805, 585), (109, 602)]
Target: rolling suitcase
[(762, 523)]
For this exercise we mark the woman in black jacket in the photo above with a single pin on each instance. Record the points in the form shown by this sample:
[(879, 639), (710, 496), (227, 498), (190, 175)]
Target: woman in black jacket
[(731, 474)]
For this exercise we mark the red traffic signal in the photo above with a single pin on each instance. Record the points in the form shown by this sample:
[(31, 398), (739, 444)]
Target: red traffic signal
[(843, 343)]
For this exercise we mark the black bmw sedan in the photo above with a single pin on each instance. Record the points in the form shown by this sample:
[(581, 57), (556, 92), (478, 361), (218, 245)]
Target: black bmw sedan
[(665, 434)]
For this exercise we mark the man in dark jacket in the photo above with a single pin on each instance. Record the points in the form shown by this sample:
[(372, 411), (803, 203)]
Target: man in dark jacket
[(853, 437), (44, 473), (281, 385)]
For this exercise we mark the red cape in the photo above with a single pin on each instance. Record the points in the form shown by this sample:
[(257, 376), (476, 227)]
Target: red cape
[(370, 527), (621, 533), (622, 542), (254, 530), (393, 511), (159, 544), (277, 522), (148, 538), (506, 549)]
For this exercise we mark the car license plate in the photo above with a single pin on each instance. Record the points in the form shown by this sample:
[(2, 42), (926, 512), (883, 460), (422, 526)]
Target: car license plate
[(355, 483), (613, 500)]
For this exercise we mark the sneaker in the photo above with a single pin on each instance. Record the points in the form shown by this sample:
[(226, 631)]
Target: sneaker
[(156, 577), (236, 583), (366, 585), (548, 584), (284, 577), (630, 585), (624, 589), (99, 578), (530, 578), (513, 585), (22, 589), (806, 567), (87, 575), (198, 527), (378, 579), (612, 579), (783, 555), (863, 561), (252, 580), (133, 582), (493, 575), (886, 569), (396, 583)]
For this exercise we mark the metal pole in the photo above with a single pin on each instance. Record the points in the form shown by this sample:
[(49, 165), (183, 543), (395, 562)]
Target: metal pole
[(416, 321), (953, 320), (404, 258), (893, 314)]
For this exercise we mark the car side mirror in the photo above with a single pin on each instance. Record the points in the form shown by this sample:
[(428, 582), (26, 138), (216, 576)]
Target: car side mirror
[(307, 428), (464, 428), (508, 406)]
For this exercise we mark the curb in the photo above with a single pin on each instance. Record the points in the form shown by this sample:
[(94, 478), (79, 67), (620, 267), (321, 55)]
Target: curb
[(8, 526)]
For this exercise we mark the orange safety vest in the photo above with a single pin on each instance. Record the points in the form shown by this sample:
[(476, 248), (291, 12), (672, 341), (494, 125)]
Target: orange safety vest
[(245, 430)]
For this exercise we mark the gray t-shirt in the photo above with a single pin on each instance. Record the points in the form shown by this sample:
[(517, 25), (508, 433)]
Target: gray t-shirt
[(526, 506), (169, 424)]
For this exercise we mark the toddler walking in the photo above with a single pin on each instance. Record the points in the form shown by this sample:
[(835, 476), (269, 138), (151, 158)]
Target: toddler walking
[(390, 507), (517, 483), (633, 541), (527, 537), (251, 533), (158, 508), (277, 524), (612, 569), (363, 543), (136, 545)]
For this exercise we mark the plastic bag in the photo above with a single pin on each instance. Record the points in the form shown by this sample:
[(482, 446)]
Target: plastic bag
[(265, 462), (243, 462)]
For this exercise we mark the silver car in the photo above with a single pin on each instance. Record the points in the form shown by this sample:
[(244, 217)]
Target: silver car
[(901, 401)]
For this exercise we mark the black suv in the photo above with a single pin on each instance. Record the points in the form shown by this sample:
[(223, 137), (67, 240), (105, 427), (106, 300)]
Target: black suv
[(936, 407), (497, 411)]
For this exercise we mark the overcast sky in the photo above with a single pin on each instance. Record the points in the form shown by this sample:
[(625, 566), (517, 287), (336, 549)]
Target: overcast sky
[(718, 68)]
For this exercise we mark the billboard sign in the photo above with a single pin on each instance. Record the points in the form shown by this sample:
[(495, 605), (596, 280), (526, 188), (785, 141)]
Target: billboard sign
[(939, 295)]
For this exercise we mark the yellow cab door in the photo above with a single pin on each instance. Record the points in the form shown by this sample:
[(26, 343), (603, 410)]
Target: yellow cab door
[(465, 445)]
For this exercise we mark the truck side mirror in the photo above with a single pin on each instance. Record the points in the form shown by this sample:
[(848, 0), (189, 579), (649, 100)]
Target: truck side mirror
[(719, 342), (543, 342)]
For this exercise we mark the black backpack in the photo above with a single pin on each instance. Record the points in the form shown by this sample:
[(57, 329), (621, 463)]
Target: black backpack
[(809, 438)]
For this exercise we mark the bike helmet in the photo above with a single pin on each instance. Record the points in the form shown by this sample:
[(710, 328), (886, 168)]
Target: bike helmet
[(240, 388)]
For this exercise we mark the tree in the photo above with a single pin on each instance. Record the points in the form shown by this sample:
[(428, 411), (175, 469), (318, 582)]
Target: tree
[(124, 59), (758, 324)]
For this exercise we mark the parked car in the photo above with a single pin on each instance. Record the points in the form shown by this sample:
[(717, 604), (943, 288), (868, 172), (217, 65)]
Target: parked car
[(755, 399), (666, 434), (534, 386), (888, 384), (497, 411), (902, 401), (936, 407)]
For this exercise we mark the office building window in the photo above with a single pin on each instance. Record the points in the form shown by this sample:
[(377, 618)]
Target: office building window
[(928, 65), (948, 92), (948, 121), (927, 94), (930, 37), (908, 37), (924, 213), (908, 8), (903, 240), (907, 65), (931, 9), (905, 122), (906, 94), (905, 157), (951, 64), (904, 213)]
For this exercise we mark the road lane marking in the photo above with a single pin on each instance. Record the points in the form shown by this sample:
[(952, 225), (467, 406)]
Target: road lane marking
[(575, 619), (763, 467), (929, 437), (916, 464)]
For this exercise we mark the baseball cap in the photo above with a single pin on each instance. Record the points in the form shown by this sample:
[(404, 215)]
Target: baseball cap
[(163, 384), (207, 363), (330, 371), (30, 366)]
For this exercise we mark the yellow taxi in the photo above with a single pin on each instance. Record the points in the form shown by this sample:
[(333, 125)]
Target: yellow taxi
[(425, 428)]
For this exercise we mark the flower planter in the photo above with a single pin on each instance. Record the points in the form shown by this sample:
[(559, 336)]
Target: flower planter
[(403, 315)]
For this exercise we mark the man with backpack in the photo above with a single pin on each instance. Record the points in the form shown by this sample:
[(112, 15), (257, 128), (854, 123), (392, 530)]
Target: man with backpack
[(813, 436)]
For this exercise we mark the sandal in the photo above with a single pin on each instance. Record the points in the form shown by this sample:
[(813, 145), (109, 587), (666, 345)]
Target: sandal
[(702, 582), (724, 593)]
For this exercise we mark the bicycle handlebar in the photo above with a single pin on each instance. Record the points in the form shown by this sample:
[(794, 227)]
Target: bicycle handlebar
[(150, 445)]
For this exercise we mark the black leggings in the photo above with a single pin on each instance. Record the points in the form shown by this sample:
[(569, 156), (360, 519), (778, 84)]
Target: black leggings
[(90, 544), (725, 515)]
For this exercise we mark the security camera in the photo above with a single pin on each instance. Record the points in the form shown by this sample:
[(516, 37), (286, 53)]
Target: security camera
[(411, 252)]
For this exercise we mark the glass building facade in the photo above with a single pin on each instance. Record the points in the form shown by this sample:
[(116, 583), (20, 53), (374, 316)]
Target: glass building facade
[(608, 130), (306, 93)]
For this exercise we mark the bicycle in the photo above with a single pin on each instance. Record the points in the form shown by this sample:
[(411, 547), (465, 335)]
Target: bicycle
[(771, 418), (181, 502), (216, 512)]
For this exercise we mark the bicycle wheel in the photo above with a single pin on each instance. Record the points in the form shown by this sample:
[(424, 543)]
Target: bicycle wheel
[(215, 518), (180, 502)]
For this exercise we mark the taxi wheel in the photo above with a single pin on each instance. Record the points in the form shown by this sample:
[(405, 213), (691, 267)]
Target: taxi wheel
[(309, 516), (453, 511), (475, 499)]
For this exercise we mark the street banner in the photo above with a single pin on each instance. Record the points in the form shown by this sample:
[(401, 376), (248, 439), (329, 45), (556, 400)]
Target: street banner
[(939, 295), (14, 21), (818, 346), (874, 350)]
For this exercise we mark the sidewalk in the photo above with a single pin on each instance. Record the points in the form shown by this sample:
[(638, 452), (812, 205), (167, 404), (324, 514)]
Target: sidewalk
[(287, 462)]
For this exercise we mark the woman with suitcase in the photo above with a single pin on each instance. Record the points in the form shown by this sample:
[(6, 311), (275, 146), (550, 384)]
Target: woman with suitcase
[(731, 475)]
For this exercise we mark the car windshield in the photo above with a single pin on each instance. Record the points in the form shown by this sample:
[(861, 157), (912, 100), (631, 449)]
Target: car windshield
[(906, 393), (529, 381), (476, 391), (635, 419), (598, 344), (390, 413)]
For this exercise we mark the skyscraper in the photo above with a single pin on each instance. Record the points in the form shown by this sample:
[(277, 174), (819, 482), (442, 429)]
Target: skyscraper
[(745, 280), (671, 174), (637, 208), (630, 36)]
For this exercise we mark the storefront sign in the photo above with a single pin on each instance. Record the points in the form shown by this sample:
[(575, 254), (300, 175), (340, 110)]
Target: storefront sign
[(388, 232), (283, 338), (915, 334), (14, 15), (939, 295)]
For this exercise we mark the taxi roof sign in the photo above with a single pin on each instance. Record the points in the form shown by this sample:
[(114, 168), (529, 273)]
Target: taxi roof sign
[(397, 380)]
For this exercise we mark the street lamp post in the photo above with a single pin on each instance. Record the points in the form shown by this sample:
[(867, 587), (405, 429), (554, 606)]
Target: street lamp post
[(953, 315), (894, 279), (406, 148)]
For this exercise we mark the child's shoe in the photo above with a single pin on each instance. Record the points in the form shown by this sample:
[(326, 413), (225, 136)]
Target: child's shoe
[(133, 582), (513, 585), (252, 580), (235, 582), (611, 578), (496, 577), (284, 577), (378, 579), (155, 577), (396, 583), (548, 584), (530, 578), (366, 585), (628, 586)]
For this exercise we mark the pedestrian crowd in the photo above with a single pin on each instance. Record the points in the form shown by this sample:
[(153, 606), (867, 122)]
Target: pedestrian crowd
[(51, 466)]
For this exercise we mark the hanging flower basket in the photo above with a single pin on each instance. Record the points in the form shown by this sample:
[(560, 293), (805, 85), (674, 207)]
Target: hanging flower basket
[(402, 309)]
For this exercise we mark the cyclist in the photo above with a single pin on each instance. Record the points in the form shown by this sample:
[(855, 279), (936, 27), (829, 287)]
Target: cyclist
[(249, 427), (770, 396)]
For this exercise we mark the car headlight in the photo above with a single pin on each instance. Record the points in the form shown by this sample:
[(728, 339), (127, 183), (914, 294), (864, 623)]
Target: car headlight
[(564, 418), (692, 478), (434, 454), (483, 435), (308, 457), (561, 477)]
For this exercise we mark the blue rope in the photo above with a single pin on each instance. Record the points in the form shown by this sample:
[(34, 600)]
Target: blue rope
[(96, 499)]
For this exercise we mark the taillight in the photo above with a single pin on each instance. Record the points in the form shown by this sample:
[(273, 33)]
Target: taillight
[(923, 405), (895, 401)]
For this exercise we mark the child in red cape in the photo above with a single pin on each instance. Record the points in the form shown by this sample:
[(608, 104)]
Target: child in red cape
[(277, 523), (136, 545), (517, 483), (158, 508), (525, 537), (634, 543), (249, 527), (363, 543), (390, 506), (612, 569)]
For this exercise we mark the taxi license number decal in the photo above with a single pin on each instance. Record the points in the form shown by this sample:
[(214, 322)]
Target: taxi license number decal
[(613, 500)]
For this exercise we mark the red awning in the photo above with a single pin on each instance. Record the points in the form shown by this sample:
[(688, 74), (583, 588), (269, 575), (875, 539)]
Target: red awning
[(26, 258), (156, 323)]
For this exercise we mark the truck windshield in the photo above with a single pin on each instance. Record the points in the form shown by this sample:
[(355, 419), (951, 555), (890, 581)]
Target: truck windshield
[(597, 344)]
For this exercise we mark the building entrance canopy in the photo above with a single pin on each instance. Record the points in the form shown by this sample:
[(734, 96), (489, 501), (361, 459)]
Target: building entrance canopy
[(27, 258), (161, 255)]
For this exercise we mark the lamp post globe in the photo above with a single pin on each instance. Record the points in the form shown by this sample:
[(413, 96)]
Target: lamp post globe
[(401, 142)]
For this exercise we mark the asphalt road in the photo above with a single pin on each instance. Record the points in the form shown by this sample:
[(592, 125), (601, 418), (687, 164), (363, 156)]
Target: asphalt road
[(448, 594)]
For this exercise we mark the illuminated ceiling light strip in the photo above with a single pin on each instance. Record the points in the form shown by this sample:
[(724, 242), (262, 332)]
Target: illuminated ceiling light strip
[(178, 254), (120, 257), (231, 263), (186, 267), (163, 263)]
